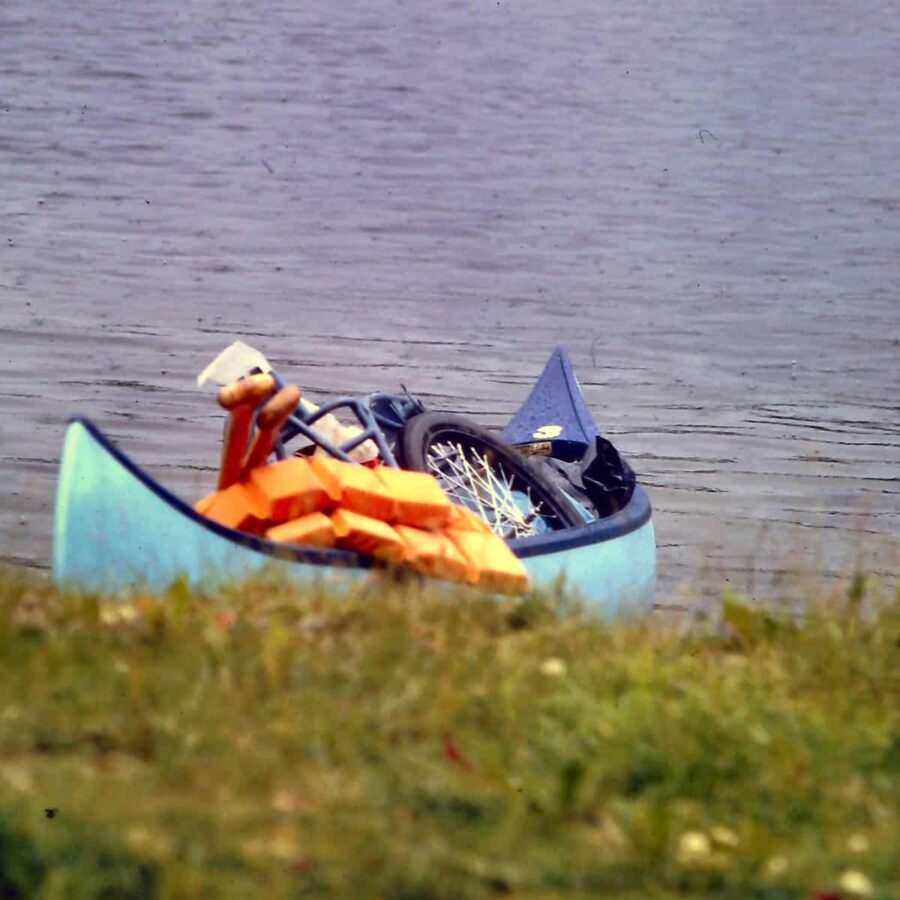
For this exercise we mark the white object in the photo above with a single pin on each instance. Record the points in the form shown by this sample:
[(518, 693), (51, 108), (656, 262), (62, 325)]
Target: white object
[(233, 362), (240, 359), (329, 427)]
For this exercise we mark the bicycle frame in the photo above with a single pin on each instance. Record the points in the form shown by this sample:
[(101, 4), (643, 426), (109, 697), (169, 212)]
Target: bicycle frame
[(371, 411)]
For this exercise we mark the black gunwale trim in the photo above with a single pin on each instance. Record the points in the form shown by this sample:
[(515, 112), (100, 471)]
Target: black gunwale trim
[(317, 556), (636, 514)]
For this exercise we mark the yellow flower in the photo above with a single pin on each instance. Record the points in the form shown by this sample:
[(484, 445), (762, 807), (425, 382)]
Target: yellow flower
[(857, 883), (777, 865), (723, 836), (858, 843), (693, 846), (117, 613), (128, 613), (553, 668), (283, 844)]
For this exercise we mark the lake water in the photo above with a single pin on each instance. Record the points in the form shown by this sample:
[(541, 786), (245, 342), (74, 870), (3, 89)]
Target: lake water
[(701, 201)]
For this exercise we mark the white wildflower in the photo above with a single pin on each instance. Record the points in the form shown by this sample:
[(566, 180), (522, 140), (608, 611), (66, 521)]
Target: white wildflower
[(856, 883), (553, 668)]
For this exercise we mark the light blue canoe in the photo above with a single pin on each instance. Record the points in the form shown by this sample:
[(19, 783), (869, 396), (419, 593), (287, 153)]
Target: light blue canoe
[(116, 528)]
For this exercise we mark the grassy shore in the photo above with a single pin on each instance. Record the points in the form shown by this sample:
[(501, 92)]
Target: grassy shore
[(411, 744)]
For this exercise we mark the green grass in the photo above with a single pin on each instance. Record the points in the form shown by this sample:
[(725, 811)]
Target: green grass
[(401, 743)]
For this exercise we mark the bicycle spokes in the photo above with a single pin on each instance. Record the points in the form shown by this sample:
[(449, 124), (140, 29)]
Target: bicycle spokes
[(489, 489)]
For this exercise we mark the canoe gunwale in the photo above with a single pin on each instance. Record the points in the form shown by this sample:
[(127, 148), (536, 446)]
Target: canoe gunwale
[(321, 556), (636, 514)]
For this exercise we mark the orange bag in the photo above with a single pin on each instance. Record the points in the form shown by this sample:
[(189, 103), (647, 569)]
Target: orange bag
[(242, 506), (499, 569), (367, 535), (202, 506), (291, 488), (433, 553), (354, 487), (315, 529), (418, 498)]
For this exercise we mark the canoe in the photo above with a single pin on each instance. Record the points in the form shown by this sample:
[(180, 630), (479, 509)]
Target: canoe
[(116, 528)]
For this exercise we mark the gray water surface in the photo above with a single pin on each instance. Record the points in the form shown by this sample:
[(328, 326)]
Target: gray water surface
[(701, 201)]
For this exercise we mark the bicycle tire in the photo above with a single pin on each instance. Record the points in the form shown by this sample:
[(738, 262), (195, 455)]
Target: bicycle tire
[(481, 472)]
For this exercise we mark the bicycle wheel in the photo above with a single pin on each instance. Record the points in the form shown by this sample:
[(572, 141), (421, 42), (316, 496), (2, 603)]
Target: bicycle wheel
[(482, 473)]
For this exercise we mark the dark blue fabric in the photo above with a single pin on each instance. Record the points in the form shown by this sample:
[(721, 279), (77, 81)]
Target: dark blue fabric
[(556, 400)]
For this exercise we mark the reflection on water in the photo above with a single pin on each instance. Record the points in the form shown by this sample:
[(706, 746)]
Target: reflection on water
[(703, 205)]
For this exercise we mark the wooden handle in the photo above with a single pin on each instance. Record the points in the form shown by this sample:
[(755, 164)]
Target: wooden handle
[(241, 399), (271, 417), (252, 389), (234, 444)]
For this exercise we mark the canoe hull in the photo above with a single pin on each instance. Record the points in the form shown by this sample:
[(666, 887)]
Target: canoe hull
[(117, 529)]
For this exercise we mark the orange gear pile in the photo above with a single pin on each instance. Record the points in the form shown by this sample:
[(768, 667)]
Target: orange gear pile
[(398, 516)]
